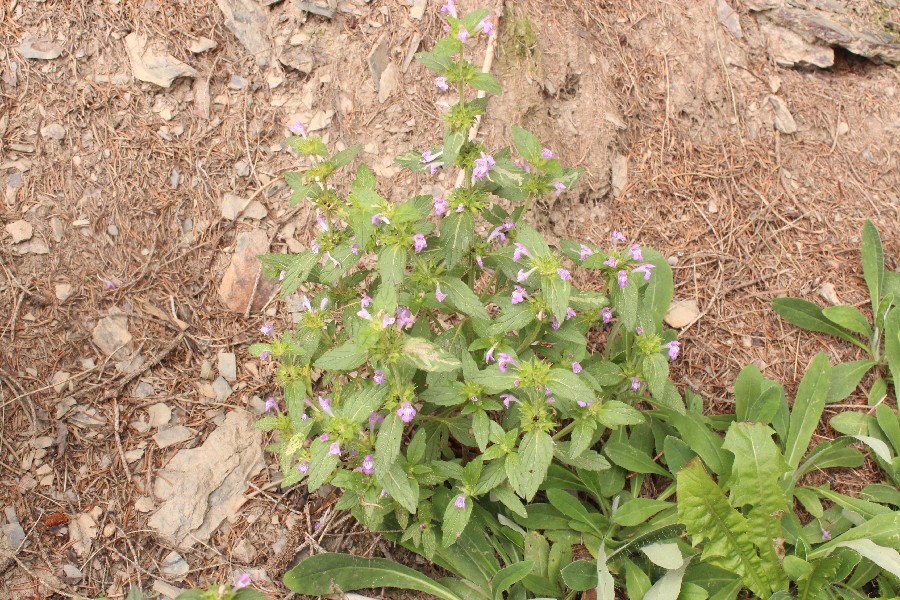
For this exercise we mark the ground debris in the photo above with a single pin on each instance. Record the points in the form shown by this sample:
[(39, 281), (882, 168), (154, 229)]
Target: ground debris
[(111, 335), (784, 121), (19, 231), (247, 21), (682, 313), (149, 63), (243, 288), (38, 49)]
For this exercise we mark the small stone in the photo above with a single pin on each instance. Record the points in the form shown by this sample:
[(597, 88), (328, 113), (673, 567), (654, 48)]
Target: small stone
[(387, 85), (140, 426), (112, 230), (33, 246), (274, 79), (159, 414), (44, 441), (64, 406), (247, 21), (151, 64), (843, 128), (417, 10), (174, 566), (37, 49), (173, 435), (619, 174), (72, 574), (143, 390), (237, 82), (111, 335), (828, 292), (202, 44), (682, 313), (63, 291), (44, 470), (299, 59), (144, 504), (241, 168), (60, 381), (729, 18), (712, 206), (206, 370), (20, 231), (221, 388), (242, 288), (53, 131), (227, 365), (378, 59), (175, 179), (232, 205), (134, 455), (673, 261), (789, 49), (58, 229), (244, 552), (784, 121), (167, 589)]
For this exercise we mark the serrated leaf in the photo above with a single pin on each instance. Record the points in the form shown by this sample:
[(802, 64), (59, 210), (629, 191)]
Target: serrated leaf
[(556, 294), (566, 384), (486, 82), (757, 468), (363, 402), (455, 521), (581, 437), (527, 144), (428, 357), (536, 453), (808, 407), (398, 485), (457, 236), (658, 293), (463, 298), (321, 464), (614, 414), (392, 265), (637, 510), (656, 371), (387, 444), (512, 318), (345, 357)]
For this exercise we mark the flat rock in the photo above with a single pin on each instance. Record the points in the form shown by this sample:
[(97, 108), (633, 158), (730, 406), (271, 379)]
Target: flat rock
[(247, 21), (83, 531), (167, 589), (789, 49), (72, 574), (63, 291), (828, 292), (144, 504), (53, 131), (160, 414), (227, 365), (241, 168), (390, 79), (174, 566), (134, 455), (143, 390), (682, 313), (221, 389), (172, 435), (33, 246), (243, 288), (244, 552), (19, 231), (417, 10), (38, 49), (619, 174), (151, 64), (729, 18), (202, 44), (12, 532), (200, 487), (232, 205), (111, 335), (299, 59), (378, 59), (784, 121), (60, 381)]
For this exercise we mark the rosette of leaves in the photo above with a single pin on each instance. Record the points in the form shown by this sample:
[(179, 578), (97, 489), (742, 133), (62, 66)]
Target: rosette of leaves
[(441, 358)]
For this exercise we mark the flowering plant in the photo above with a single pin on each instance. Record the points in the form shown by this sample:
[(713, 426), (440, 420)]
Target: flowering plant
[(444, 354)]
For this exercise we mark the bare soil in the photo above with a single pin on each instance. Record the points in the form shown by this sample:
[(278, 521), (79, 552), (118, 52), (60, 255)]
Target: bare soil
[(135, 185)]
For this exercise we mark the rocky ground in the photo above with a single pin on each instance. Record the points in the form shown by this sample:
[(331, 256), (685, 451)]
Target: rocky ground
[(141, 149)]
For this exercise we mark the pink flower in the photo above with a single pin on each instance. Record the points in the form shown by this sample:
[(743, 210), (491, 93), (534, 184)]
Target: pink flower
[(303, 468), (519, 250), (507, 399), (645, 269), (504, 360), (584, 404), (460, 502), (635, 252), (463, 34), (639, 330), (674, 348), (564, 274), (420, 243), (406, 412), (243, 581), (623, 279), (546, 153), (364, 314), (439, 294), (365, 301), (354, 248), (636, 384), (554, 323), (325, 403), (297, 128), (375, 419), (523, 275), (487, 25), (606, 313), (271, 404), (323, 437), (560, 187), (483, 166), (368, 464), (379, 218), (570, 312), (378, 377), (387, 321), (264, 355), (576, 367), (449, 9), (617, 236), (612, 262), (267, 329), (519, 294), (441, 83), (440, 206), (585, 252), (405, 318), (334, 449)]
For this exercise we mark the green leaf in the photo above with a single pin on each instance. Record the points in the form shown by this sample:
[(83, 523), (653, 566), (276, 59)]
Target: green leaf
[(845, 378), (571, 507), (668, 587), (656, 371), (345, 357), (398, 485), (808, 407), (705, 511), (363, 402), (636, 511), (463, 298), (850, 318), (889, 424), (321, 464), (320, 575), (614, 414), (892, 345), (457, 236), (580, 575), (453, 141), (606, 373), (428, 357), (345, 157), (581, 437), (455, 521), (886, 558), (658, 293), (747, 389), (833, 453), (487, 83), (435, 61), (605, 584), (637, 584), (883, 529), (392, 265), (527, 144), (509, 576), (512, 318), (627, 304), (387, 444), (758, 466), (536, 454), (566, 384), (873, 263), (807, 315), (556, 293), (631, 459), (666, 555)]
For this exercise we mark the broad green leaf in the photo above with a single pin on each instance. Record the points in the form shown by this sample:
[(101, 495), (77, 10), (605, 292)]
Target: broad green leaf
[(606, 373), (397, 483), (636, 511), (321, 574), (705, 511), (457, 235), (865, 508), (886, 558), (581, 437), (345, 157), (700, 439), (455, 520), (429, 357), (605, 585), (509, 576), (833, 453), (570, 506), (666, 555), (850, 318), (536, 453), (668, 587), (873, 263), (808, 407), (556, 293), (677, 453), (882, 529), (658, 293), (345, 357), (758, 466), (796, 568), (512, 318), (656, 372), (566, 384), (631, 459), (580, 575), (509, 499), (387, 444), (527, 144), (321, 464), (614, 414), (822, 574), (845, 378), (463, 298), (892, 345), (877, 446), (807, 315), (627, 304), (487, 83), (889, 423), (363, 402), (637, 583), (392, 265)]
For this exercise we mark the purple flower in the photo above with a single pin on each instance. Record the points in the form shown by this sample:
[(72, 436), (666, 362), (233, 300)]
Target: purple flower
[(546, 153), (498, 232), (519, 294), (314, 246), (504, 360), (379, 218), (297, 128), (267, 329), (564, 274), (406, 412), (483, 166), (368, 464), (623, 279), (585, 252), (109, 284), (551, 400), (419, 241), (639, 330), (570, 312), (439, 294), (460, 502), (449, 9), (560, 187), (405, 318), (460, 208), (243, 581), (617, 237), (365, 301), (354, 248), (635, 252), (523, 275), (520, 249), (606, 313), (264, 355), (282, 275), (612, 262), (323, 437), (576, 367), (487, 25), (325, 403), (463, 34), (440, 206), (674, 348), (547, 391), (645, 269), (441, 83), (480, 262), (271, 404), (375, 419), (387, 321), (364, 314), (322, 222), (334, 449), (554, 323), (507, 399), (636, 384), (826, 535), (378, 377), (583, 404), (303, 468), (433, 167)]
